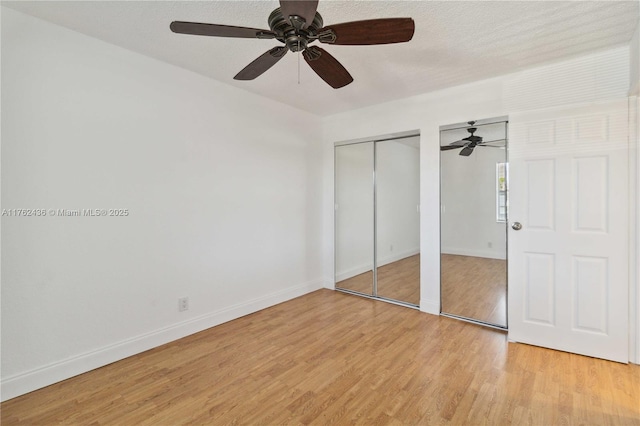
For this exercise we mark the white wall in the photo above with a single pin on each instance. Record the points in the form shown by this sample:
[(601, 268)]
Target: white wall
[(599, 76), (397, 199), (223, 203), (634, 69), (354, 214), (468, 198)]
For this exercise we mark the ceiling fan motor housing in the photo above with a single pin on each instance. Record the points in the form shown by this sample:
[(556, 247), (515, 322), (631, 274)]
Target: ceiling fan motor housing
[(289, 30)]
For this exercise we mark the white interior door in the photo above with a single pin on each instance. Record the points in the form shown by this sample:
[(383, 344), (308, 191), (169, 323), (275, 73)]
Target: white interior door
[(568, 265)]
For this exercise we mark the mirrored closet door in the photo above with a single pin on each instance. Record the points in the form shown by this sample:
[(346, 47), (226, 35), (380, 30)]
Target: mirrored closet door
[(354, 217), (377, 220), (398, 219), (473, 221)]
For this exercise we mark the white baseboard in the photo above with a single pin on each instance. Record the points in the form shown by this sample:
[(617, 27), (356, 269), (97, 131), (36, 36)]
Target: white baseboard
[(394, 257), (430, 306), (20, 384), (352, 272), (489, 254)]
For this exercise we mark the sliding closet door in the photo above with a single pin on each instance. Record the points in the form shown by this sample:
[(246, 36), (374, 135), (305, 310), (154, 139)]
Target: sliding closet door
[(473, 221), (398, 219), (354, 237)]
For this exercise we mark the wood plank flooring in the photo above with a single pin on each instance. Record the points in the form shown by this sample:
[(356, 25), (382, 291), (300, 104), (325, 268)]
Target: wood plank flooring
[(474, 287), (401, 280), (398, 280), (333, 358)]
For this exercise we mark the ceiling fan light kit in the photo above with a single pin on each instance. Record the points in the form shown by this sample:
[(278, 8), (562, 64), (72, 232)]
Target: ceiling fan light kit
[(297, 24)]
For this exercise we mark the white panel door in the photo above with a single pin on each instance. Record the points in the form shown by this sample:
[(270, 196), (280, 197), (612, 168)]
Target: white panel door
[(568, 265)]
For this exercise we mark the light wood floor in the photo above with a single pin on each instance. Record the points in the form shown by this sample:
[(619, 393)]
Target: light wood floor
[(474, 287), (333, 358), (397, 280)]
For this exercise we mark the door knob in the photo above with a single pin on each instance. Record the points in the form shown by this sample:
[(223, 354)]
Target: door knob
[(516, 226)]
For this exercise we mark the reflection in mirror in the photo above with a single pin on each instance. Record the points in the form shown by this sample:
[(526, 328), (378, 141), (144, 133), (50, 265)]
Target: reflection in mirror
[(398, 219), (473, 233), (354, 217)]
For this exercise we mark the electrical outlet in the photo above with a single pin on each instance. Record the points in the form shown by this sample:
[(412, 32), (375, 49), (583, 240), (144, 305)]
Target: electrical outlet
[(183, 304), (490, 244), (391, 247)]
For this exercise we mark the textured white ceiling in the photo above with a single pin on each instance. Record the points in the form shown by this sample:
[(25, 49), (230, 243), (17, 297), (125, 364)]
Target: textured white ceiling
[(455, 41)]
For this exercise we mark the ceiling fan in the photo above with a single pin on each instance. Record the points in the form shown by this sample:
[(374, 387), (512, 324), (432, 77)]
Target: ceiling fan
[(297, 24), (469, 143)]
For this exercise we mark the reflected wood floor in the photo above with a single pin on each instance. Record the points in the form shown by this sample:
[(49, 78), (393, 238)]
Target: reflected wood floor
[(474, 287), (398, 280), (332, 358)]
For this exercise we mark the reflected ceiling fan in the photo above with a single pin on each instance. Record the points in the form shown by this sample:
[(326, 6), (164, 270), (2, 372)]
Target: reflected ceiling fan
[(297, 24), (470, 143)]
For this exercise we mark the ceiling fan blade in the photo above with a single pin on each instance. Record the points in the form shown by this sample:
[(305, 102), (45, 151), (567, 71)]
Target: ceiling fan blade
[(306, 9), (454, 145), (327, 67), (466, 151), (493, 141), (215, 30), (373, 31), (261, 64)]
